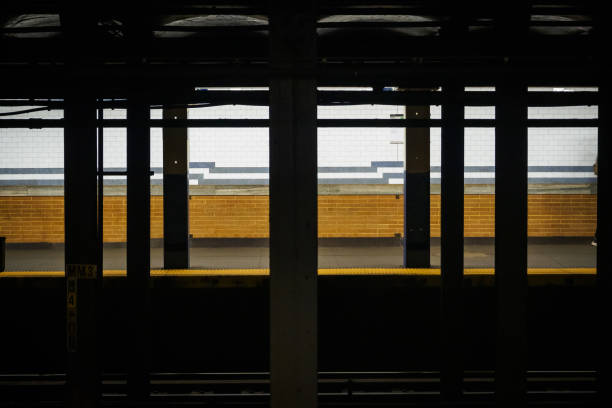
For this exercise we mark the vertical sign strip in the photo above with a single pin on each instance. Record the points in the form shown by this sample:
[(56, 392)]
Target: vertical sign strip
[(74, 272)]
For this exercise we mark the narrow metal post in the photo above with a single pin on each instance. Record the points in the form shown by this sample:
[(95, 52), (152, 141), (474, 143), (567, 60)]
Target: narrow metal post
[(293, 206), (2, 253), (511, 242), (81, 246), (604, 238), (416, 192), (101, 193), (138, 245), (176, 192), (451, 373)]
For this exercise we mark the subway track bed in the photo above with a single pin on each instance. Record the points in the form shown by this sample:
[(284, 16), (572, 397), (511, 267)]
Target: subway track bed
[(370, 320), (375, 327), (377, 338)]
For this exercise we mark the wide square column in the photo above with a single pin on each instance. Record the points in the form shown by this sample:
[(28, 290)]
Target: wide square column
[(451, 228), (81, 250), (138, 246), (511, 242), (293, 206), (604, 239)]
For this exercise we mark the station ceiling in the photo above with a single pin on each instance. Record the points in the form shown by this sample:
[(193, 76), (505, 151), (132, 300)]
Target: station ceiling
[(419, 37)]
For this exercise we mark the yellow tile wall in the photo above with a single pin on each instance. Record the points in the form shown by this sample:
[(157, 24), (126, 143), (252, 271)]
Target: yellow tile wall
[(41, 219)]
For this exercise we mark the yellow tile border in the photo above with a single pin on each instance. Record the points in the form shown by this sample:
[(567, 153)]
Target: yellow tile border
[(322, 272)]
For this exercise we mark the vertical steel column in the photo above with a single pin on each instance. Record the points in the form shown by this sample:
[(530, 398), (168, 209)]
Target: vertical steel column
[(293, 206), (101, 191), (604, 237), (416, 192), (511, 242), (2, 253), (138, 244), (176, 192), (451, 374), (81, 239)]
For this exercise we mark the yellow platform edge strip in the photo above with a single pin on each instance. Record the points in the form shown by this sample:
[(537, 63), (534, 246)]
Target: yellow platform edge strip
[(322, 272)]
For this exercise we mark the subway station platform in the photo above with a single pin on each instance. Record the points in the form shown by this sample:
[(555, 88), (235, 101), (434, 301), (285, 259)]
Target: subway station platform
[(478, 253)]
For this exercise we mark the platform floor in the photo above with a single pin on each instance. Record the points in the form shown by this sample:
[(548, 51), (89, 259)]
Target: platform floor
[(479, 253)]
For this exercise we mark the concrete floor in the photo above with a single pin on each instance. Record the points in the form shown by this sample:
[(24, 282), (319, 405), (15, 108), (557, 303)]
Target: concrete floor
[(554, 253)]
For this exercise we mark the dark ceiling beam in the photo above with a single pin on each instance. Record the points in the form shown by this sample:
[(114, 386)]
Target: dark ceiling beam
[(477, 9), (351, 47), (160, 28), (321, 123), (141, 7), (476, 47), (327, 25), (113, 8), (440, 12), (173, 97), (49, 81), (437, 23)]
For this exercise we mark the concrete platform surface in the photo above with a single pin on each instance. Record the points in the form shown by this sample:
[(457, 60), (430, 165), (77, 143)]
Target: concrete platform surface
[(478, 253)]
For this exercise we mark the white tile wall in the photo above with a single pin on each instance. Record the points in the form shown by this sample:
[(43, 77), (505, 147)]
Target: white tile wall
[(43, 148), (32, 148), (227, 147)]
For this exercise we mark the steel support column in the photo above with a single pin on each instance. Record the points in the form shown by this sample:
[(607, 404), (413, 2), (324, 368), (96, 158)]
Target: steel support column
[(416, 192), (100, 142), (511, 242), (604, 238), (138, 245), (81, 238), (451, 375), (293, 206), (176, 192)]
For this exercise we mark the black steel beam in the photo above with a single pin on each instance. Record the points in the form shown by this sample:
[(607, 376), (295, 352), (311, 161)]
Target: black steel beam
[(118, 9), (451, 233), (224, 29), (81, 251), (176, 192), (321, 123), (364, 45), (440, 9), (416, 191), (25, 81), (511, 242), (170, 98), (233, 29), (293, 207), (138, 247), (333, 7), (604, 239)]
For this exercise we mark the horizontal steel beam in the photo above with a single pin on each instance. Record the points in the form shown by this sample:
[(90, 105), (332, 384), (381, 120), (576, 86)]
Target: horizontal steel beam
[(114, 8), (112, 80), (227, 29), (321, 123), (203, 98), (352, 45)]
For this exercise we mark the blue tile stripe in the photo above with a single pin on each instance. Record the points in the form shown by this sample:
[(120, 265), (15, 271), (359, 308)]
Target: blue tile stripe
[(385, 177)]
